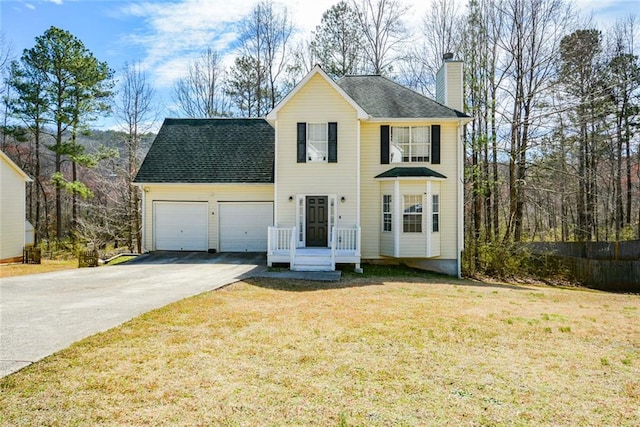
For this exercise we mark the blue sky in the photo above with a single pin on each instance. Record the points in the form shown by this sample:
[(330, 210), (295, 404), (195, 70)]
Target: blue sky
[(165, 35)]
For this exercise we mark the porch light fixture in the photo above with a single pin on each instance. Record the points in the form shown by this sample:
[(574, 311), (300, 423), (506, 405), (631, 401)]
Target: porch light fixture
[(343, 199), (291, 198)]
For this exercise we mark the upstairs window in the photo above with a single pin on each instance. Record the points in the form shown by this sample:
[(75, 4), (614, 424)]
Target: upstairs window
[(317, 142), (410, 144)]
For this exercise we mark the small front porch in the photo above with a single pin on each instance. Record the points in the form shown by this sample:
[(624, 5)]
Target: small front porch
[(344, 248)]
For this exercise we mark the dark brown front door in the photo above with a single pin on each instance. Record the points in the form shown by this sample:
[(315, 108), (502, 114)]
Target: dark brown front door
[(317, 207)]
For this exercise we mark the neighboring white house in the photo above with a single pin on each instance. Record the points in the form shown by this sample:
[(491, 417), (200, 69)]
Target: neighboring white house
[(12, 209), (339, 172)]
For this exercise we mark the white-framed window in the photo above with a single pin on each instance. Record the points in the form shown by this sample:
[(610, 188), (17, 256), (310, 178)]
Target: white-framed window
[(410, 144), (386, 213), (412, 213), (435, 213), (317, 142)]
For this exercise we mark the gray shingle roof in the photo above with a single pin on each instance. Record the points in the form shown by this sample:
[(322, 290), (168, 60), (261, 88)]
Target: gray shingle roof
[(383, 98), (410, 172), (210, 151)]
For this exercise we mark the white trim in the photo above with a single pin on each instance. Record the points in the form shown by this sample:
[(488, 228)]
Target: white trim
[(358, 174), (168, 184), (275, 175), (428, 120), (412, 178), (429, 205), (301, 220), (144, 222), (301, 216), (273, 114), (15, 167), (459, 195), (397, 219)]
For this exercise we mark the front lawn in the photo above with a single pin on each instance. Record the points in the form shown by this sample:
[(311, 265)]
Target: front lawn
[(47, 265), (361, 352)]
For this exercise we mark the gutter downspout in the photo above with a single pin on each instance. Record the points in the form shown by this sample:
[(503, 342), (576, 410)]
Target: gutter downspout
[(460, 197)]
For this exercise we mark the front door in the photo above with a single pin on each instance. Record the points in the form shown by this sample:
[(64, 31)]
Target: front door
[(317, 220)]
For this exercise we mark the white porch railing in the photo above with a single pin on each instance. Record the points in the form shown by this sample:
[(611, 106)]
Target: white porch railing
[(334, 238), (344, 245), (292, 247), (279, 239), (348, 240)]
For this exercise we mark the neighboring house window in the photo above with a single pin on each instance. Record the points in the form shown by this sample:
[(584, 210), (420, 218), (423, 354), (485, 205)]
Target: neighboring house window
[(317, 142), (410, 144), (386, 212), (435, 212), (412, 214)]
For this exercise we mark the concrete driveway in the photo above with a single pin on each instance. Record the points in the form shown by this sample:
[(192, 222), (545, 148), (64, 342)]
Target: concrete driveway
[(44, 313)]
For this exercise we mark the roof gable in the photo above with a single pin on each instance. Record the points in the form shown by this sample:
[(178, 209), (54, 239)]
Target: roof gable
[(386, 99), (210, 151), (317, 70), (15, 168)]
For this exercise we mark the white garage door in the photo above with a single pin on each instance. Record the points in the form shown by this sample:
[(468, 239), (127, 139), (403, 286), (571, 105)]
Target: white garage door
[(181, 226), (243, 226)]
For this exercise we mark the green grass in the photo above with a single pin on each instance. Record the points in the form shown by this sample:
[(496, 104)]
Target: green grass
[(409, 351), (121, 260)]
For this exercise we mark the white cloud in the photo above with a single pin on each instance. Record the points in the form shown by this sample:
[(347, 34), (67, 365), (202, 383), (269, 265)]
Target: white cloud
[(59, 2), (29, 6), (177, 31)]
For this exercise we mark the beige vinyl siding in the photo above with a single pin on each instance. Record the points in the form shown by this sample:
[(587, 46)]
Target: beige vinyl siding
[(371, 195), (449, 85), (316, 102), (12, 212), (210, 193)]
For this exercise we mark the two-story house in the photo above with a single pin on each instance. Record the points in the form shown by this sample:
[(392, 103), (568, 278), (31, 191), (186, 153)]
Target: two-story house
[(339, 172)]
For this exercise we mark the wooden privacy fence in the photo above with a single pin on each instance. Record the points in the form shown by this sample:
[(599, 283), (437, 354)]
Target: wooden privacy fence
[(607, 266)]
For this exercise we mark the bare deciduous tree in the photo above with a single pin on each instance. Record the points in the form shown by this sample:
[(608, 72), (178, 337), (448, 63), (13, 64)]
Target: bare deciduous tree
[(136, 111), (383, 30), (265, 34), (201, 92)]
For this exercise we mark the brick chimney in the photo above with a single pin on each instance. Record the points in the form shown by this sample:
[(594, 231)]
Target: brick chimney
[(449, 83)]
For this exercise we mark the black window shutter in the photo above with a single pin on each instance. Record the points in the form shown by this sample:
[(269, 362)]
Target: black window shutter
[(333, 142), (302, 143), (435, 144), (384, 145)]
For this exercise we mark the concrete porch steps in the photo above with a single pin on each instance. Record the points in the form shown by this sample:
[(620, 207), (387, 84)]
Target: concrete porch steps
[(313, 259)]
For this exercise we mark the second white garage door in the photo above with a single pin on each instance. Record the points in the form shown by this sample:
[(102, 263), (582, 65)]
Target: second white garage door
[(243, 226)]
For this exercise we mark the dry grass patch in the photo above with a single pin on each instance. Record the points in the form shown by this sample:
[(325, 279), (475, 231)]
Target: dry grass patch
[(271, 352), (9, 270)]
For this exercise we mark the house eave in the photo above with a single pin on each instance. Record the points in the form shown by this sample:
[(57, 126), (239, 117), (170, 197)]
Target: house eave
[(411, 178), (459, 120), (16, 168), (166, 184)]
